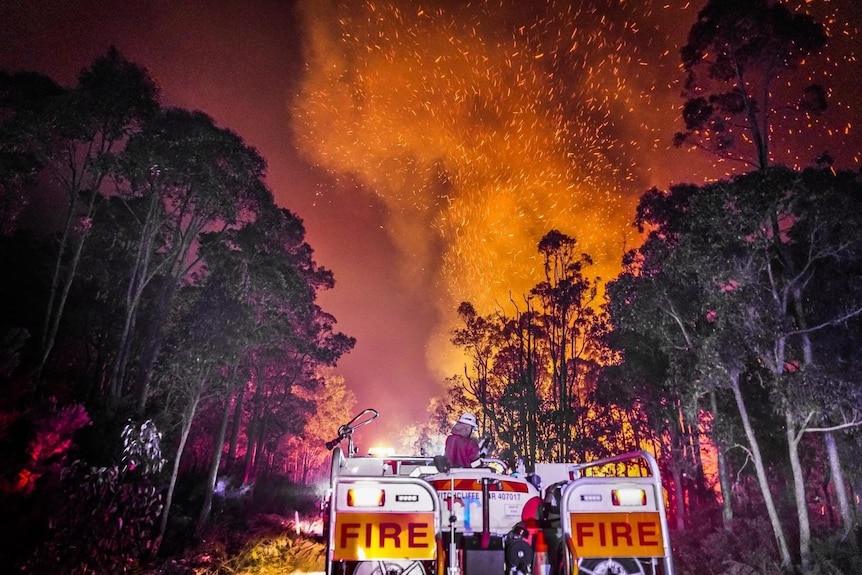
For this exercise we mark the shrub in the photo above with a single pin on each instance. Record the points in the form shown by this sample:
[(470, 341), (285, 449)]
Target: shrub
[(266, 544), (104, 523), (835, 554)]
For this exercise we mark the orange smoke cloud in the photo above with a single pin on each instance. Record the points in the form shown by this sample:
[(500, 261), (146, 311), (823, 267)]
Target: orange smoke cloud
[(484, 125)]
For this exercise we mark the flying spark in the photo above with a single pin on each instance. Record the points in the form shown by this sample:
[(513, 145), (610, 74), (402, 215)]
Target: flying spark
[(483, 125)]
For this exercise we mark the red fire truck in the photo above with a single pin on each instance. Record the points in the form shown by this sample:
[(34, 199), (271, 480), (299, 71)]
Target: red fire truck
[(417, 515)]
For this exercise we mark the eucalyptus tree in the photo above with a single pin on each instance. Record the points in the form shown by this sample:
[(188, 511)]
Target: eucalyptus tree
[(224, 265), (745, 47), (23, 98), (479, 338), (236, 318), (735, 55), (728, 248), (698, 245), (819, 219), (98, 298), (825, 245), (657, 313), (194, 177), (193, 364), (663, 315), (520, 368), (273, 281), (502, 381), (532, 374), (72, 139), (742, 89), (290, 336), (566, 297)]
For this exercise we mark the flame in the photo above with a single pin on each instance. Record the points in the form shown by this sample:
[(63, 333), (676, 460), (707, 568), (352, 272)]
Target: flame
[(483, 125)]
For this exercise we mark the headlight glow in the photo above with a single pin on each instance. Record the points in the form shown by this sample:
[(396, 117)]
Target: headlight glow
[(628, 497), (366, 497)]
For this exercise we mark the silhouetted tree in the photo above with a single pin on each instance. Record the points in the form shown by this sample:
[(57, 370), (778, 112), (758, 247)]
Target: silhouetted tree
[(78, 134), (724, 251), (23, 97), (568, 318), (195, 177), (736, 51), (479, 338)]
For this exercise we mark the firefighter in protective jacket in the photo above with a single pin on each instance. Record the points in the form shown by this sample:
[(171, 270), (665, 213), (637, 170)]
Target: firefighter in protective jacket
[(461, 448)]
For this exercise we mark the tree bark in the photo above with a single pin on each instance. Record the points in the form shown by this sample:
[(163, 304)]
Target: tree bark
[(676, 471), (723, 473), (679, 490), (235, 426), (762, 479), (184, 435), (847, 518), (798, 491), (153, 342), (218, 447), (260, 450), (251, 434), (53, 316)]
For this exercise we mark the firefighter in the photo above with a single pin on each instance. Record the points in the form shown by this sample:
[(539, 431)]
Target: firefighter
[(461, 448)]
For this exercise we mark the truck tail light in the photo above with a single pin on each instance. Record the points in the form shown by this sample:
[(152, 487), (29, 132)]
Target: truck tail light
[(628, 497), (366, 497)]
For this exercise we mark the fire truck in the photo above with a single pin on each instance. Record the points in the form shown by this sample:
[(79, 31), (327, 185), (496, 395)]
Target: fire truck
[(418, 515)]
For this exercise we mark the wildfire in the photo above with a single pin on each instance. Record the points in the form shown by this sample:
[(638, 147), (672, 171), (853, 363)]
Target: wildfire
[(483, 125)]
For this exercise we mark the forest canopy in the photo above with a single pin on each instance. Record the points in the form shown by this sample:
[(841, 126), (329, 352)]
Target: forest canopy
[(160, 316), (161, 334)]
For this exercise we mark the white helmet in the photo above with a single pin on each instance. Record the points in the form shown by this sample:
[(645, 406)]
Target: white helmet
[(469, 419)]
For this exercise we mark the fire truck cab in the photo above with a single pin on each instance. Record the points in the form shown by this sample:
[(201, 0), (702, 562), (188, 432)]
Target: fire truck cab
[(417, 515)]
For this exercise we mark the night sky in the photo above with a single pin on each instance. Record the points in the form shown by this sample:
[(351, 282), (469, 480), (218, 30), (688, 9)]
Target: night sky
[(428, 146)]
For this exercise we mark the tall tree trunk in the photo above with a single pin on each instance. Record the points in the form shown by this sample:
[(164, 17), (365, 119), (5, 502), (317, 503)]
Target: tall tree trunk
[(178, 266), (847, 518), (218, 447), (260, 454), (676, 463), (55, 312), (699, 477), (306, 466), (58, 269), (532, 421), (235, 426), (798, 490), (723, 473), (522, 434), (247, 475), (679, 490), (251, 435), (184, 435), (762, 479), (139, 278), (153, 342)]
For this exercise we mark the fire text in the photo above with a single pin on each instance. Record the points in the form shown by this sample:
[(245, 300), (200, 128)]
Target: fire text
[(617, 534), (360, 536)]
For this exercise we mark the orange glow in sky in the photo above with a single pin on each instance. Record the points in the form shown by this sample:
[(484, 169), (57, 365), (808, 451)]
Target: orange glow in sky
[(428, 146), (483, 125)]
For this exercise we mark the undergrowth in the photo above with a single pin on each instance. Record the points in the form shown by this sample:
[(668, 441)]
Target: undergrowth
[(267, 545)]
